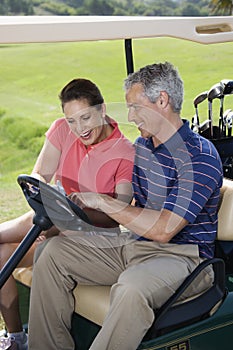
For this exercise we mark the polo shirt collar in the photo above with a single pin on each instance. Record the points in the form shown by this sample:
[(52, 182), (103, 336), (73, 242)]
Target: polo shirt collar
[(182, 134)]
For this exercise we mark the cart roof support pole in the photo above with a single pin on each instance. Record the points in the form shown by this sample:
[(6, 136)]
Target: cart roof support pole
[(129, 56)]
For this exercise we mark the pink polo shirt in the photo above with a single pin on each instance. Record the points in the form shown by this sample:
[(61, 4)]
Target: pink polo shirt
[(98, 168)]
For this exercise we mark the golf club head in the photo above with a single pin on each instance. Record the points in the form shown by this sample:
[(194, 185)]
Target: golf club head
[(195, 123), (204, 126), (229, 119), (229, 123), (200, 98), (216, 91), (225, 114), (227, 86)]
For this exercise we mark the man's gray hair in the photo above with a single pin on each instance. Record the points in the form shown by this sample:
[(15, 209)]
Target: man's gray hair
[(159, 77)]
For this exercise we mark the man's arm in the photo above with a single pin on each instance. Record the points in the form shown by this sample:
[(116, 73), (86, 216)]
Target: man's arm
[(99, 218), (159, 226)]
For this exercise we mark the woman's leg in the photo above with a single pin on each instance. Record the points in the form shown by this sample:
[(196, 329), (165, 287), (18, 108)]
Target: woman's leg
[(13, 231), (9, 302), (11, 234)]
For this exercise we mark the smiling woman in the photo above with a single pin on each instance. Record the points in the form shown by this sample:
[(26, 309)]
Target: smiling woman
[(84, 151)]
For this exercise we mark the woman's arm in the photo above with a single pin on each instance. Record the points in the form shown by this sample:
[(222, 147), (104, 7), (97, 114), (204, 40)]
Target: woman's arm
[(47, 162)]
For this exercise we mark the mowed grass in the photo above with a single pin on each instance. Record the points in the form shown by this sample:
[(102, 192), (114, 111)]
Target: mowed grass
[(32, 76)]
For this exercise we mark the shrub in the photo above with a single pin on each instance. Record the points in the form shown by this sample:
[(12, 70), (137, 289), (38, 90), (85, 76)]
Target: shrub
[(23, 132)]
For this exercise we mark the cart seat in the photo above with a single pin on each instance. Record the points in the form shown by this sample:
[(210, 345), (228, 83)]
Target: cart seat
[(225, 213), (224, 242)]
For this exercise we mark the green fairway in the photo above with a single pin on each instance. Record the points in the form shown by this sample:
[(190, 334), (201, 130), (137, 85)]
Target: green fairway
[(32, 76)]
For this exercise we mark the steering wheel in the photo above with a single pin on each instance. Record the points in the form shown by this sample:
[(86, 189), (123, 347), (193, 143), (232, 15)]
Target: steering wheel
[(51, 208), (47, 202)]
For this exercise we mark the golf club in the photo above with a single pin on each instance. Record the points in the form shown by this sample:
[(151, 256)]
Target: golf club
[(197, 100), (195, 123), (204, 126), (227, 90), (227, 86), (229, 120), (224, 120), (216, 91)]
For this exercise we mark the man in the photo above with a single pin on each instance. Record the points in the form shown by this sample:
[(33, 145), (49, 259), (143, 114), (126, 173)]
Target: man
[(171, 228)]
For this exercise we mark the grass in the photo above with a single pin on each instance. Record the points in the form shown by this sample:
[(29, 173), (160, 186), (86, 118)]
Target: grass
[(32, 76)]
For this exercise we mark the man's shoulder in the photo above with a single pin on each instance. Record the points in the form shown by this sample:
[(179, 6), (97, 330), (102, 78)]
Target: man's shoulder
[(201, 144), (207, 148)]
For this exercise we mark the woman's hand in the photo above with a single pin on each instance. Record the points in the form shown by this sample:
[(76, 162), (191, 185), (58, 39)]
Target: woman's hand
[(38, 177)]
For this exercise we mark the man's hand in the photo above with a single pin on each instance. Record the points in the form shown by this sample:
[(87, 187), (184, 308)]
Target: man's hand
[(86, 199)]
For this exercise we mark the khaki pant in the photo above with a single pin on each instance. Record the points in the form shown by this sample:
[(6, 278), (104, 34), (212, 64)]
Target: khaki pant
[(142, 274)]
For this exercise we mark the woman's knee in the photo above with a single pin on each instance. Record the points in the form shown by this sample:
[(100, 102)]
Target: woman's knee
[(6, 251), (13, 231)]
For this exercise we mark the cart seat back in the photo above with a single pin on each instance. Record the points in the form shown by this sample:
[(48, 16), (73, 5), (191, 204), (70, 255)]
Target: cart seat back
[(224, 242), (225, 213)]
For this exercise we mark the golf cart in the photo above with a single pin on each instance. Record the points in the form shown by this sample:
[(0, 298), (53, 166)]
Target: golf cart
[(202, 322)]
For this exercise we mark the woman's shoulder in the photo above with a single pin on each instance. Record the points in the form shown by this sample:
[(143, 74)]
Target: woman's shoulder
[(59, 125), (58, 131), (60, 122)]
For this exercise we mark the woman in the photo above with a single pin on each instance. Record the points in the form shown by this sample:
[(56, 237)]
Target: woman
[(85, 151)]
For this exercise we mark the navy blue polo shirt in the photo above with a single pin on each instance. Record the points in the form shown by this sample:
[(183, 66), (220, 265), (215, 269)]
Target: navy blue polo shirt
[(183, 175)]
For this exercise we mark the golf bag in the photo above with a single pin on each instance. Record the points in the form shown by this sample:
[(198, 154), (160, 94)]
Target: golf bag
[(219, 135), (225, 150), (224, 146)]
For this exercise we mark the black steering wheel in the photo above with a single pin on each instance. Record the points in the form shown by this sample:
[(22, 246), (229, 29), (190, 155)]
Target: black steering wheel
[(51, 208), (47, 202)]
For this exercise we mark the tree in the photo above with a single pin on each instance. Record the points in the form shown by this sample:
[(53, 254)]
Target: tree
[(161, 8), (99, 7), (224, 7), (9, 7), (190, 10), (3, 7)]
